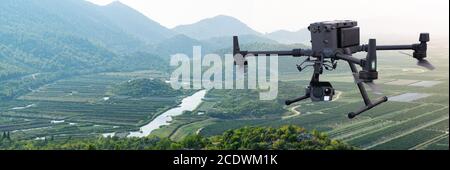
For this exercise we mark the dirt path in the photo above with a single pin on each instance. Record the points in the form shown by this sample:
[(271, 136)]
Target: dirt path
[(293, 110), (338, 95), (297, 113)]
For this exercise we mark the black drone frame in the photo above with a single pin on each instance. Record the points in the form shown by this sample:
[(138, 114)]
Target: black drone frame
[(326, 55)]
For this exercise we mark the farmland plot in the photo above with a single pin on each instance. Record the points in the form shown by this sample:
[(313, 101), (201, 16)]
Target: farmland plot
[(81, 106)]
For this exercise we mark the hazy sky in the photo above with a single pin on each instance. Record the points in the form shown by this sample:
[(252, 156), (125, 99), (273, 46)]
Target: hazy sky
[(403, 17)]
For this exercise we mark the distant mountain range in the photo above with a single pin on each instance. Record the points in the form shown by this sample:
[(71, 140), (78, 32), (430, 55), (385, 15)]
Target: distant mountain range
[(54, 35), (75, 36), (288, 37), (133, 22), (226, 26), (219, 26)]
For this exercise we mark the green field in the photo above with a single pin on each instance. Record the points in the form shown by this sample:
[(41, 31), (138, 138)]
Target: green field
[(81, 106), (418, 124), (84, 106)]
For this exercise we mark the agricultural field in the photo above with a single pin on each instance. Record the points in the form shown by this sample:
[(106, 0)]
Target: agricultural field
[(85, 106), (81, 106), (417, 118)]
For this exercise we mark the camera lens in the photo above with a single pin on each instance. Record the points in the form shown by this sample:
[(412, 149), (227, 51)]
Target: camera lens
[(327, 91)]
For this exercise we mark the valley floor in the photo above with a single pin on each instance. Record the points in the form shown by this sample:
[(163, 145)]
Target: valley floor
[(416, 117), (82, 106)]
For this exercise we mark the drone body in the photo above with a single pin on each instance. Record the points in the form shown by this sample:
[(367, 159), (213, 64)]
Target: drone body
[(338, 40)]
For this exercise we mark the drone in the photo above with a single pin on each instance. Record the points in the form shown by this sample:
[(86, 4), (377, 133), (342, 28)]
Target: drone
[(333, 41)]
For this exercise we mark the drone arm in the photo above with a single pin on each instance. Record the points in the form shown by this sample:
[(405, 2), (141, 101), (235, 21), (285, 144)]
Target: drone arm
[(289, 102), (350, 58), (371, 57), (365, 48), (420, 49), (395, 47), (295, 52)]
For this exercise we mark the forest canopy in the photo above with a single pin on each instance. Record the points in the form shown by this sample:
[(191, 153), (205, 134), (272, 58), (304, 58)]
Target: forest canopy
[(248, 138), (146, 88)]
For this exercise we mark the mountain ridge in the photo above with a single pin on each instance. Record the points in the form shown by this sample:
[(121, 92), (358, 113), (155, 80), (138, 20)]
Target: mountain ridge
[(218, 26), (135, 23), (290, 37)]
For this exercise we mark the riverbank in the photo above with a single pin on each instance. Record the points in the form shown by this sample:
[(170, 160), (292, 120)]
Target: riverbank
[(189, 103)]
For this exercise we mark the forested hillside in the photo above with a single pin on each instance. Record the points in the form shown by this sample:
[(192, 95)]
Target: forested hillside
[(218, 26), (43, 41), (146, 88), (247, 138)]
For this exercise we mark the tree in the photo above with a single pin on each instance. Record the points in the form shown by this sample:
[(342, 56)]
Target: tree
[(194, 142), (247, 138)]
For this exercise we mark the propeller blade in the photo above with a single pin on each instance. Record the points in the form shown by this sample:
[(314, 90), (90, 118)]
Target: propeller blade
[(404, 53), (374, 87), (421, 62), (424, 63)]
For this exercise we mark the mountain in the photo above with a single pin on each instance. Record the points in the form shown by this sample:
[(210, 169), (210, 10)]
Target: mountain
[(70, 35), (216, 33), (54, 35), (225, 42), (219, 26), (69, 17), (179, 44), (62, 38), (288, 37), (133, 22)]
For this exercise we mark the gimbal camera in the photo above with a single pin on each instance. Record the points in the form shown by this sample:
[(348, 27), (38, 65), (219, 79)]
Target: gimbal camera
[(338, 40)]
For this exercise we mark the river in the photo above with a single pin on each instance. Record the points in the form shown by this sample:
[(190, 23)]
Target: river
[(187, 104)]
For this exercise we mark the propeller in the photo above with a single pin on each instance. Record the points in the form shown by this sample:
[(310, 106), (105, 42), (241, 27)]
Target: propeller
[(376, 89), (421, 62), (426, 64)]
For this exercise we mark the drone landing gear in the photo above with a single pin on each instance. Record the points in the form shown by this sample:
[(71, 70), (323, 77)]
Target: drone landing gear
[(289, 102), (368, 103)]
